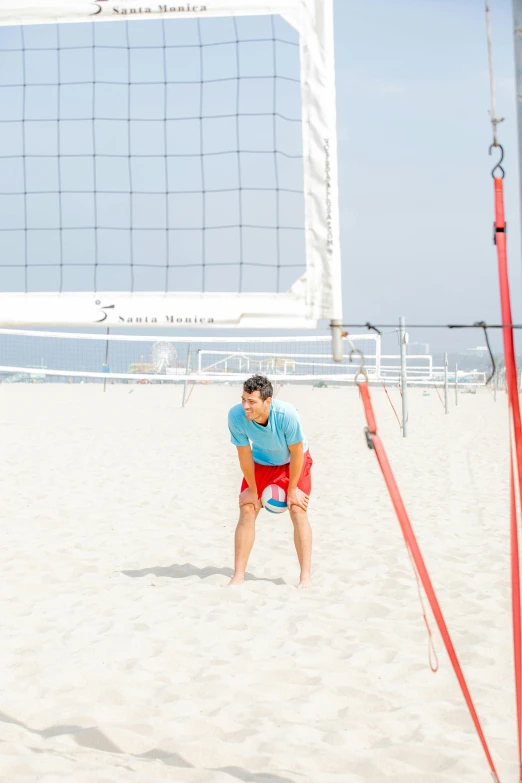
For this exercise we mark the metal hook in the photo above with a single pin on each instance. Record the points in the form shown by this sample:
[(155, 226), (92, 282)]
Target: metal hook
[(361, 370), (498, 164)]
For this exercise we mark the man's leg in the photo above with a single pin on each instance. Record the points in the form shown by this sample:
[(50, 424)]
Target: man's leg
[(244, 541), (303, 544)]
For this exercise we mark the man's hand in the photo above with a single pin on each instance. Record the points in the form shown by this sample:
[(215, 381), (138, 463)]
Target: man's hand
[(296, 497), (249, 496)]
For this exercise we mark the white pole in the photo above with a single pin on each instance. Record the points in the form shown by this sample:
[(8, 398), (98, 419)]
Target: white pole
[(106, 358), (446, 395), (337, 341), (186, 380), (456, 384), (517, 19), (404, 378)]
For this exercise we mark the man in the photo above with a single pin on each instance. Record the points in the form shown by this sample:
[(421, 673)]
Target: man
[(272, 450)]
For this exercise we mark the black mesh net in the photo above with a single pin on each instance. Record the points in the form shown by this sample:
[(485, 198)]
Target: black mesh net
[(151, 156), (49, 357)]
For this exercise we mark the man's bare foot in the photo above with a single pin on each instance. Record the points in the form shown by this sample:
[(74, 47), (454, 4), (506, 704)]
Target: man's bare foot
[(305, 583), (235, 581)]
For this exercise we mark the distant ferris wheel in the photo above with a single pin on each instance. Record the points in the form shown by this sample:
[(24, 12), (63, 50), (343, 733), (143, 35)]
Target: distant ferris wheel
[(163, 355)]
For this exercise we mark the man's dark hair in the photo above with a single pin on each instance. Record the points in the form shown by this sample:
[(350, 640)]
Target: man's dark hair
[(261, 384)]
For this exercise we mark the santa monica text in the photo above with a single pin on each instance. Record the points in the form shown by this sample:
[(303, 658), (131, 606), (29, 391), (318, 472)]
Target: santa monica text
[(167, 319), (159, 9)]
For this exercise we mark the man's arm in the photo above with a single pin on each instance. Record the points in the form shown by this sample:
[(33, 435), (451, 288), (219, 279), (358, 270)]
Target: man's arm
[(295, 497), (296, 464), (246, 462)]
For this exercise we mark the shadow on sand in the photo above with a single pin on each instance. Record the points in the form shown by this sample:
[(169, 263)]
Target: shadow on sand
[(181, 571)]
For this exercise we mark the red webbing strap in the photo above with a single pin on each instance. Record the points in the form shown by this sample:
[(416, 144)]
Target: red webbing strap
[(368, 408), (515, 596), (516, 475), (411, 543)]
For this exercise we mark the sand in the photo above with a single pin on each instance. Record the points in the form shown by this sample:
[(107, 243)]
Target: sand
[(123, 659)]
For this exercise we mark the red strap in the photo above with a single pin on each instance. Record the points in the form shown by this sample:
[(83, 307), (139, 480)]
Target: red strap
[(515, 474), (411, 543), (368, 409), (515, 597), (500, 220)]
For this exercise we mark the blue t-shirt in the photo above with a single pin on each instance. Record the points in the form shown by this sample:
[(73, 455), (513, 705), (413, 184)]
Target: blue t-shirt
[(269, 444)]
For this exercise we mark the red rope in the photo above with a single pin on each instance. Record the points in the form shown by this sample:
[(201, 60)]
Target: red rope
[(391, 403), (190, 393), (438, 395), (432, 652), (375, 442), (515, 474)]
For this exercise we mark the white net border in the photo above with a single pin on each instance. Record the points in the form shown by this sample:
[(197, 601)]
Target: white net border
[(317, 294), (175, 359)]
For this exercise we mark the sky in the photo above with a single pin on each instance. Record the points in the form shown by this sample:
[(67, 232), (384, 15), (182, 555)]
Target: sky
[(416, 195), (415, 187)]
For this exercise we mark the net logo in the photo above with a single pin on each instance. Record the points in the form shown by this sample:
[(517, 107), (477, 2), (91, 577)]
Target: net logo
[(104, 312), (148, 319)]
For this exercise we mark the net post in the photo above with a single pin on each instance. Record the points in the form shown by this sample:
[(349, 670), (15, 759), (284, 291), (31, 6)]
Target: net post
[(456, 385), (337, 340), (517, 25), (185, 385), (404, 376), (378, 353), (446, 390), (106, 359)]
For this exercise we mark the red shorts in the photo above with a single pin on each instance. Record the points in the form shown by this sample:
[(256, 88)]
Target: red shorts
[(280, 475)]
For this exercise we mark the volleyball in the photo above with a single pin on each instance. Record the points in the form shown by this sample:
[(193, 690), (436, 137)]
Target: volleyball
[(274, 499)]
